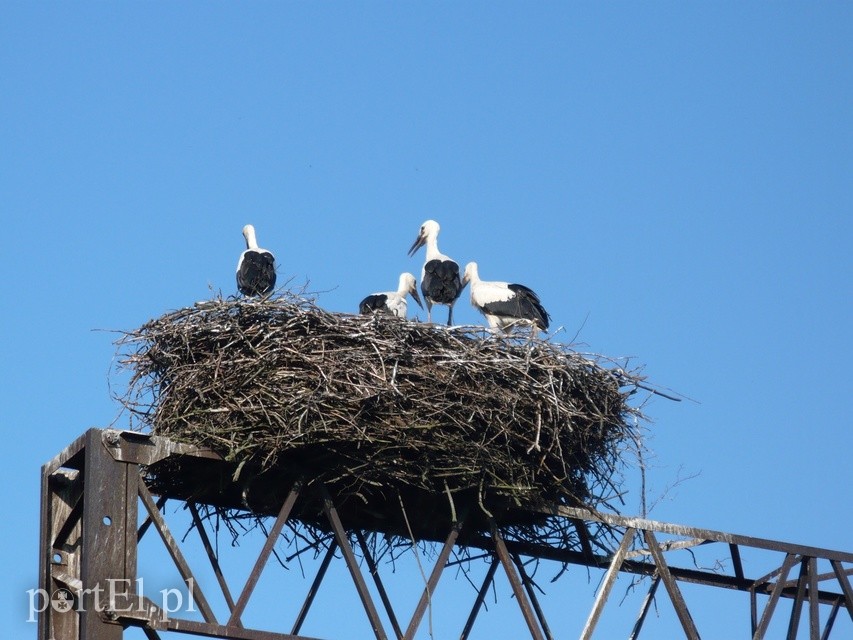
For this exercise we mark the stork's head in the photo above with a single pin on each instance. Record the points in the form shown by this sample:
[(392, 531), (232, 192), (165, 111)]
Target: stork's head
[(408, 284), (249, 234), (429, 231), (470, 273)]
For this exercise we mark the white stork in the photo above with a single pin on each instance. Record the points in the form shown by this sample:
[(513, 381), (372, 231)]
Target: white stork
[(256, 267), (503, 304), (440, 281), (392, 302)]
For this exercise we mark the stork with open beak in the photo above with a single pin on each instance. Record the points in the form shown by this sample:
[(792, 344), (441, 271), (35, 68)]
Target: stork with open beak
[(440, 281)]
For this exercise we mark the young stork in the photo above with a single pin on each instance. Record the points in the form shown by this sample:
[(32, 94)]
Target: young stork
[(505, 305), (440, 281), (392, 302), (256, 267)]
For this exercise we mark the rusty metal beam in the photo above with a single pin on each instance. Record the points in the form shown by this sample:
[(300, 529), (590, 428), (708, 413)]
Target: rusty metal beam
[(797, 607), (150, 633), (814, 608), (607, 583), (70, 456), (481, 596), (346, 548), (845, 585), (644, 608), (790, 559), (753, 611), (670, 545), (214, 562), (383, 595), (143, 449), (46, 554), (672, 588), (529, 585), (175, 552), (315, 587), (515, 583), (737, 565), (830, 621), (72, 520), (161, 502), (59, 553), (583, 536), (108, 541), (432, 583), (206, 630), (261, 562), (822, 577), (695, 576), (694, 532)]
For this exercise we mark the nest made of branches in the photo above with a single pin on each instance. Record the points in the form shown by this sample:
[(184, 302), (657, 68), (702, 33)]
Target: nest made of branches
[(407, 424)]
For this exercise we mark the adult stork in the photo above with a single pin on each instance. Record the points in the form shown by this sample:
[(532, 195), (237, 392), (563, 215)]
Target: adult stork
[(440, 281), (392, 302), (256, 267), (505, 305)]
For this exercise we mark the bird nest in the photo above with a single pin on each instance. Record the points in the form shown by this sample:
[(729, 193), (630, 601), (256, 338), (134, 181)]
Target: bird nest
[(408, 425)]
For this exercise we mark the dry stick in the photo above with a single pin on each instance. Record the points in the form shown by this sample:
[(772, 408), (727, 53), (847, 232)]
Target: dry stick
[(535, 444)]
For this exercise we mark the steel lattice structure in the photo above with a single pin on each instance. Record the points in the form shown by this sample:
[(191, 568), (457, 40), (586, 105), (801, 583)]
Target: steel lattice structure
[(90, 500)]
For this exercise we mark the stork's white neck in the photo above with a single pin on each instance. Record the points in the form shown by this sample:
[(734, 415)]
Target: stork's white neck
[(471, 273), (432, 252), (403, 287), (249, 234)]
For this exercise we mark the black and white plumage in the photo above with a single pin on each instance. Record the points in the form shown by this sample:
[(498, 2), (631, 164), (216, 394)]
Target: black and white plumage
[(440, 281), (392, 302), (505, 305), (256, 267)]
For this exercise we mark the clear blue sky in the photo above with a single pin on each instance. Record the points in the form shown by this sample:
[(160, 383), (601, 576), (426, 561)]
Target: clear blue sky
[(675, 180)]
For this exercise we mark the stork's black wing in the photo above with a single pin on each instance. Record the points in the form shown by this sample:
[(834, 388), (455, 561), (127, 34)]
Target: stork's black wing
[(441, 283), (528, 306), (373, 303), (256, 273)]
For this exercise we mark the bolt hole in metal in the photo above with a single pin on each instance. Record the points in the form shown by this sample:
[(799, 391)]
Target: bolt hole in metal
[(107, 521), (57, 558)]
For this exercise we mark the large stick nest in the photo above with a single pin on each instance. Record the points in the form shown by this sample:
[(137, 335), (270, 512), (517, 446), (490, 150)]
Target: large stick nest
[(385, 412)]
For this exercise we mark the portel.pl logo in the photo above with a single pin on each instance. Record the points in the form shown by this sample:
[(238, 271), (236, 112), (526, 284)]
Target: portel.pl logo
[(62, 600)]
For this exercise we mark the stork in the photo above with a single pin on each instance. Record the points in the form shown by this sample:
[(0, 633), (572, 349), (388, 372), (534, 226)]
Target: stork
[(256, 267), (392, 302), (440, 281), (505, 305)]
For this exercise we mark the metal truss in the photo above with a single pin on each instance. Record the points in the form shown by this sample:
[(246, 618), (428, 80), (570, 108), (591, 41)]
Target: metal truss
[(90, 500)]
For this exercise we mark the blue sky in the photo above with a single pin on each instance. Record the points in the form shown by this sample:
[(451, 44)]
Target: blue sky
[(673, 179)]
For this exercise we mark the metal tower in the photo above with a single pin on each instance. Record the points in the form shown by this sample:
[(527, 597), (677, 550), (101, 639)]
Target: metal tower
[(90, 500)]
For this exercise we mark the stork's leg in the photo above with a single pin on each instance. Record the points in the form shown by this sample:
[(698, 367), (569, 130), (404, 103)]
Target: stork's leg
[(429, 309), (530, 340), (450, 314)]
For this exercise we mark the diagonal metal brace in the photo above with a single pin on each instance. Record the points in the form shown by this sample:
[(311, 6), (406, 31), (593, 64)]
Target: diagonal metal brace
[(515, 583), (432, 583), (607, 583), (672, 588), (175, 552), (352, 564), (261, 562)]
